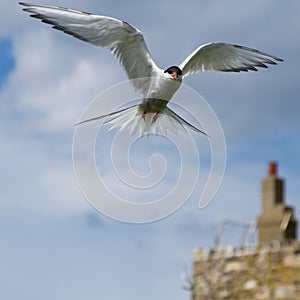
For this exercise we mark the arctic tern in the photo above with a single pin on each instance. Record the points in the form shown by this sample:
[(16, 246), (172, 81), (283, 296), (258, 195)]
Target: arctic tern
[(157, 86)]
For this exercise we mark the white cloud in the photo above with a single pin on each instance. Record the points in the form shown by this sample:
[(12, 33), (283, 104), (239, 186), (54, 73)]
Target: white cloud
[(56, 76), (52, 83)]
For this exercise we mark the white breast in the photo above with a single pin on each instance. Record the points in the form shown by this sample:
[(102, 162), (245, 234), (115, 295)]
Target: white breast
[(162, 87)]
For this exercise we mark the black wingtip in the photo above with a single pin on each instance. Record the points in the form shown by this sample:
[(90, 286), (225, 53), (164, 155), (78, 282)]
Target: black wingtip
[(24, 3), (27, 6)]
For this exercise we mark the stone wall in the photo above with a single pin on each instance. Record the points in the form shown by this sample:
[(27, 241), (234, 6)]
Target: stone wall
[(262, 272)]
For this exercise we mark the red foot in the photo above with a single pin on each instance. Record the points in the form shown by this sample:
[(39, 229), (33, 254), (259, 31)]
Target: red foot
[(154, 117), (144, 114)]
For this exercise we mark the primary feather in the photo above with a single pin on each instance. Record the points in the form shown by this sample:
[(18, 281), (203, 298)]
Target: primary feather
[(227, 58), (123, 40)]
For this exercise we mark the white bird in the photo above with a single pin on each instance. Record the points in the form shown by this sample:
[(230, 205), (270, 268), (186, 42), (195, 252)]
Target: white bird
[(157, 86)]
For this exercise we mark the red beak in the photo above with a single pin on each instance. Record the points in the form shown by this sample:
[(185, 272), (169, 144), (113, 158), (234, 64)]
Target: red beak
[(174, 75)]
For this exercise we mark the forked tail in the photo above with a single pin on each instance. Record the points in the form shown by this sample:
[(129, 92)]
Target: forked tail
[(135, 122)]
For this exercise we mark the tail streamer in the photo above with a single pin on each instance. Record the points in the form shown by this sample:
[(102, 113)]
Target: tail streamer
[(152, 123)]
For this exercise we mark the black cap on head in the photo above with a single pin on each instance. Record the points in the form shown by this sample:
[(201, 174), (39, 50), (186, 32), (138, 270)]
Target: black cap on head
[(173, 69)]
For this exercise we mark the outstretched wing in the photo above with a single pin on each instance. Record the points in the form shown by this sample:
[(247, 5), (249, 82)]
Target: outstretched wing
[(226, 58), (123, 40)]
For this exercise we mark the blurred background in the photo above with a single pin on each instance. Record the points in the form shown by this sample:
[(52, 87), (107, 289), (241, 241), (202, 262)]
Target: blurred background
[(54, 244)]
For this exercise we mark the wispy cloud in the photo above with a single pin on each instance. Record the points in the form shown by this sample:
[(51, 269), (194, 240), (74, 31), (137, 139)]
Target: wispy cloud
[(48, 228)]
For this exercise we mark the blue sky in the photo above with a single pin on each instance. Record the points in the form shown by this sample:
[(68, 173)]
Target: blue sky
[(7, 60), (54, 245)]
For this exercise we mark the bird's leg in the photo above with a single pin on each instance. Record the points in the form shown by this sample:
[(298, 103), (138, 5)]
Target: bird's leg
[(144, 115), (154, 118), (152, 106)]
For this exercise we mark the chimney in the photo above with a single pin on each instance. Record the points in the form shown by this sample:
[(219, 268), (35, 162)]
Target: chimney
[(272, 189), (276, 223)]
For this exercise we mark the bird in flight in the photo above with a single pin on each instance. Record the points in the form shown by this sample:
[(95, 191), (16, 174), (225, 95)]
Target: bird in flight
[(157, 86)]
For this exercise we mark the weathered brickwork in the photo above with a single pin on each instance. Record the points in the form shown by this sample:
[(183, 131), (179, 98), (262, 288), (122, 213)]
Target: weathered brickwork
[(262, 272)]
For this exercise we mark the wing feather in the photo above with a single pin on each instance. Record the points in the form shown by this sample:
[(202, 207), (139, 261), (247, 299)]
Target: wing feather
[(226, 58), (123, 40)]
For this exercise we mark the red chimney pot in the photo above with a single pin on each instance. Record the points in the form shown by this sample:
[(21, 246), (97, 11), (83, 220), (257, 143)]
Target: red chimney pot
[(272, 168)]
